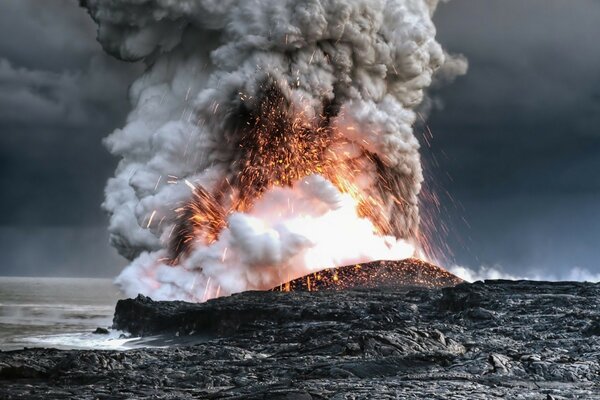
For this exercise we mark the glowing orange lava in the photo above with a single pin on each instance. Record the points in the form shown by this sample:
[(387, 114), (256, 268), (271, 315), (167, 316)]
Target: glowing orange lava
[(278, 147), (409, 272)]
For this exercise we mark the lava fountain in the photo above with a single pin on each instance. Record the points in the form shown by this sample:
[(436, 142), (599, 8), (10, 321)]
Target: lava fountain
[(269, 139)]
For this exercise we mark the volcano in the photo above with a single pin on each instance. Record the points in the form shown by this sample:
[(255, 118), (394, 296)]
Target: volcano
[(408, 272), (270, 139)]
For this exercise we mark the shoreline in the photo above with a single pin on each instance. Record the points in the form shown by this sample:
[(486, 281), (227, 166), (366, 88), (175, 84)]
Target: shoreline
[(495, 339)]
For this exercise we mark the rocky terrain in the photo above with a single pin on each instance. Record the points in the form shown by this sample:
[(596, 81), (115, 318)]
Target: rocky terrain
[(498, 339)]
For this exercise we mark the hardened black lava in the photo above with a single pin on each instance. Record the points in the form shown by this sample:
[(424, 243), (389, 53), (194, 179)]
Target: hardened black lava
[(492, 340)]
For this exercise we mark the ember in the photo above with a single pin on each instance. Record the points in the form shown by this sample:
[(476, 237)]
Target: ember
[(409, 272), (274, 147), (268, 139)]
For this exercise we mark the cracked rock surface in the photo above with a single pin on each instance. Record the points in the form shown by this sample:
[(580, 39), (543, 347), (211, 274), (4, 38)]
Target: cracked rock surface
[(498, 339)]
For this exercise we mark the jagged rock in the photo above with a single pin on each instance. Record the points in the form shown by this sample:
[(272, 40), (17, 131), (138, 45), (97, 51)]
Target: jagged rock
[(593, 329), (101, 331), (494, 339)]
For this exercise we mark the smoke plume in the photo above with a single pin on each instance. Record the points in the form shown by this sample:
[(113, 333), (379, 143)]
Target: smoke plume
[(268, 138)]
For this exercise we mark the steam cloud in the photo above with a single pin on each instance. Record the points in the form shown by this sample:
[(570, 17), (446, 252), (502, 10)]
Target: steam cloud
[(359, 68), (483, 272)]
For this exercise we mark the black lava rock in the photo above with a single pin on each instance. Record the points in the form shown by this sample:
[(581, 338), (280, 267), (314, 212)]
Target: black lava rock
[(493, 339)]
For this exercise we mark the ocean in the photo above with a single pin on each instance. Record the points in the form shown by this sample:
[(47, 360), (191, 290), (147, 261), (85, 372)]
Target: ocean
[(58, 312)]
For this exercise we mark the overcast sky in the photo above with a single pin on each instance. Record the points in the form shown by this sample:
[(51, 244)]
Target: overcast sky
[(521, 133), (516, 142)]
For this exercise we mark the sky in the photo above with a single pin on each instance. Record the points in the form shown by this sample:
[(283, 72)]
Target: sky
[(516, 144)]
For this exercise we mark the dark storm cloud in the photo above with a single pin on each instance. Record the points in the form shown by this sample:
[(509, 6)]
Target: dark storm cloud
[(42, 98), (533, 87), (59, 96), (51, 35), (58, 251), (519, 134)]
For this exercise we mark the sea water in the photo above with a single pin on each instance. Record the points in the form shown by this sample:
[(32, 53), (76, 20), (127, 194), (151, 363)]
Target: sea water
[(58, 313)]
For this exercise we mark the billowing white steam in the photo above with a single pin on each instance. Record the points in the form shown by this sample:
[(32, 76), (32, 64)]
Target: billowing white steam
[(371, 58), (269, 247)]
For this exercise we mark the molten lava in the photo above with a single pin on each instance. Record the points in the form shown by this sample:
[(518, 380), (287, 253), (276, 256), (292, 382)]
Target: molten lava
[(294, 185), (292, 123), (409, 272), (278, 146)]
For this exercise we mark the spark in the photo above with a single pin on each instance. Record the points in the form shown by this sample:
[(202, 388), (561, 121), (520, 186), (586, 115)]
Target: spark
[(151, 218), (278, 146), (157, 182), (205, 296), (190, 185), (407, 272), (224, 255)]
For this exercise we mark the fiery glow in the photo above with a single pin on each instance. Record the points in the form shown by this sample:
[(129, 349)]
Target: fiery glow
[(277, 148), (255, 155), (301, 193), (409, 272)]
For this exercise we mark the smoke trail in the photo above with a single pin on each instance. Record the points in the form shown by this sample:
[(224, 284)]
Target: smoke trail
[(267, 139)]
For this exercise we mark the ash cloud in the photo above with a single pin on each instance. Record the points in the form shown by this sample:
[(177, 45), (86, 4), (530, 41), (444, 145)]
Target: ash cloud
[(372, 60), (482, 273)]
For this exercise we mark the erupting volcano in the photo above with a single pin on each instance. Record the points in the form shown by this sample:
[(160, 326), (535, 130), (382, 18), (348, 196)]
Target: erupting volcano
[(279, 149), (269, 139)]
